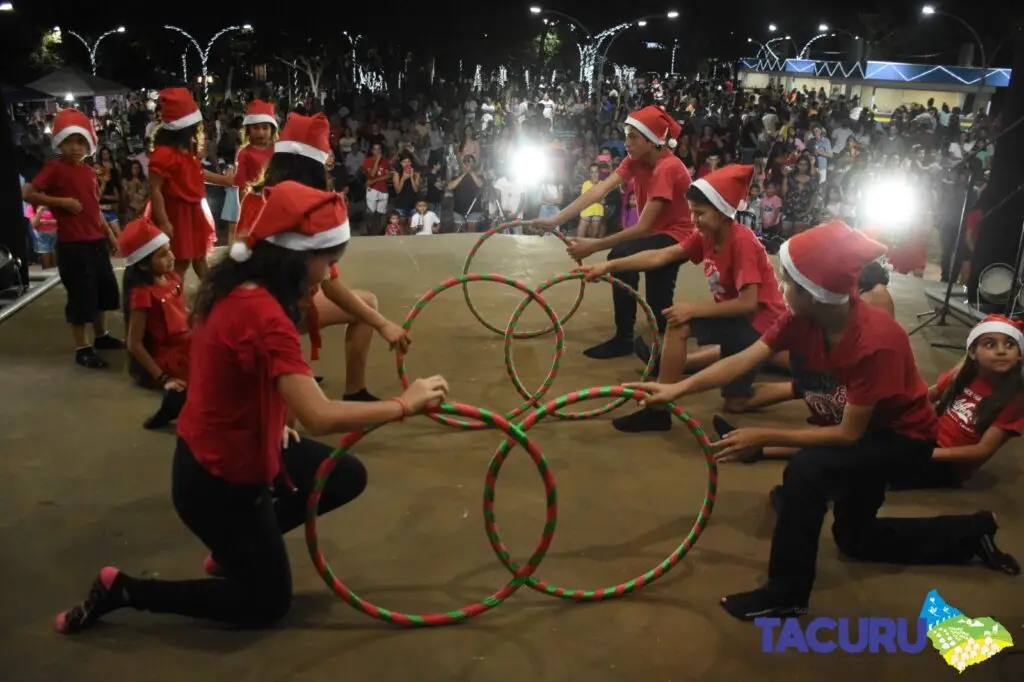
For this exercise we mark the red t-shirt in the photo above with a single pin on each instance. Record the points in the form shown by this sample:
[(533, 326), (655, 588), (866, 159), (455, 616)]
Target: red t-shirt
[(235, 414), (60, 178), (667, 180), (956, 425), (181, 171), (740, 261), (383, 168), (873, 364), (165, 305), (250, 164)]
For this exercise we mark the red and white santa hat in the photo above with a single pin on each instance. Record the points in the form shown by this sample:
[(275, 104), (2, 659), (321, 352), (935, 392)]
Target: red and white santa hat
[(656, 125), (73, 122), (996, 324), (827, 260), (726, 187), (260, 112), (298, 218), (178, 110), (307, 136), (139, 239)]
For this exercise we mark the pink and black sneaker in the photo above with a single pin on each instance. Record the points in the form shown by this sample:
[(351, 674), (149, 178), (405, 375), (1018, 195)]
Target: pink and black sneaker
[(106, 595), (212, 568)]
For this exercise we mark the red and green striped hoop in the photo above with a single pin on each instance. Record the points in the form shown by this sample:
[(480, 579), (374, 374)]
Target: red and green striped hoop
[(532, 400), (651, 363), (514, 433), (577, 594), (518, 335)]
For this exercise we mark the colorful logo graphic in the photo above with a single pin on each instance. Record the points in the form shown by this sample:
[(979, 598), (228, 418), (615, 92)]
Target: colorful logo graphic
[(962, 641)]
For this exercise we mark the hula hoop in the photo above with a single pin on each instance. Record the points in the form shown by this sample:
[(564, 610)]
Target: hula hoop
[(325, 571), (618, 402), (576, 594), (531, 399), (476, 313)]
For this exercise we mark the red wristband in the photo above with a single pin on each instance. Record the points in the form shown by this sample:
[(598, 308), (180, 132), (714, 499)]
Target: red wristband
[(406, 410)]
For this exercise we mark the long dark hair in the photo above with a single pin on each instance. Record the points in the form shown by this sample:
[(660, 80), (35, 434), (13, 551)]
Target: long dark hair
[(190, 139), (1007, 388), (137, 275), (282, 272), (301, 169)]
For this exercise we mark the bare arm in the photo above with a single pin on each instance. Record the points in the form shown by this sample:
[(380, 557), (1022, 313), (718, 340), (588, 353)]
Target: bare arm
[(415, 180), (993, 439), (321, 416), (726, 370), (643, 227), (853, 427), (156, 200), (651, 259), (744, 304), (33, 196), (343, 297), (218, 179), (591, 196)]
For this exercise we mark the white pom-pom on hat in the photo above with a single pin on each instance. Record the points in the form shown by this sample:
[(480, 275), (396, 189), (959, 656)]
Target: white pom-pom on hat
[(240, 252), (672, 143)]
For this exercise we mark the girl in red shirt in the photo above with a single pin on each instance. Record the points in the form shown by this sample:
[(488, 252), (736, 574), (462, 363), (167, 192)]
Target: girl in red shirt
[(259, 132), (158, 327), (301, 154), (177, 190), (980, 403), (887, 427), (746, 294), (241, 476)]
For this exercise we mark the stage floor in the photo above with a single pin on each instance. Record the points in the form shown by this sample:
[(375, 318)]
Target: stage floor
[(85, 486)]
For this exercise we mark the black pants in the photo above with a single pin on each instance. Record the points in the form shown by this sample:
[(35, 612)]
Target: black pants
[(937, 474), (948, 240), (855, 480), (659, 285), (89, 280), (243, 527)]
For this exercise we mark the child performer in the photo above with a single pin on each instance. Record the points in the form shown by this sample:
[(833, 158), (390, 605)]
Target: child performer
[(67, 185), (661, 182), (888, 427), (300, 154), (235, 484), (177, 190), (747, 301), (259, 131), (980, 403), (154, 306)]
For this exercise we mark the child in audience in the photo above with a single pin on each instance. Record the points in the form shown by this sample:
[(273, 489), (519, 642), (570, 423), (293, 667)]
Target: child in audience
[(394, 227), (771, 207), (154, 309), (591, 216), (887, 428), (980, 403), (424, 222), (67, 185), (44, 235), (746, 294)]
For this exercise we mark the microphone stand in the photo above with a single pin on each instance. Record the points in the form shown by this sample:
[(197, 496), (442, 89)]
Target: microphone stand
[(937, 316)]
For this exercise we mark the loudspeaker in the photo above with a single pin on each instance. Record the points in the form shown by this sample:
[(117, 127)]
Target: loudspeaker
[(999, 235)]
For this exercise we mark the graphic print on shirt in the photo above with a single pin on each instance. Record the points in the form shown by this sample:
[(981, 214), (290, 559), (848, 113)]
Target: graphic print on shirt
[(714, 278), (962, 411), (824, 395)]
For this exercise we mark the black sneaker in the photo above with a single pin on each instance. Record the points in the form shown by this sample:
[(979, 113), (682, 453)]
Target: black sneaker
[(617, 347), (644, 420)]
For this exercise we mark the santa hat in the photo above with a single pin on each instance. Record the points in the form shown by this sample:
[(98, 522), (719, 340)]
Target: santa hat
[(260, 112), (298, 218), (657, 126), (827, 260), (178, 110), (139, 239), (997, 324), (307, 136), (726, 187), (73, 122)]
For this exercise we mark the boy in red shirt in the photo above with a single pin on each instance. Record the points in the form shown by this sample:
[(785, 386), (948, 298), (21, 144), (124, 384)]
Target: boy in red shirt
[(67, 185), (377, 170), (888, 427), (742, 279), (660, 181)]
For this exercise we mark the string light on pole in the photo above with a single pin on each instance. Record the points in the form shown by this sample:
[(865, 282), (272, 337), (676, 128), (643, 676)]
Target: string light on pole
[(502, 76), (91, 49), (675, 46), (204, 55), (478, 80), (372, 80), (353, 39), (807, 47)]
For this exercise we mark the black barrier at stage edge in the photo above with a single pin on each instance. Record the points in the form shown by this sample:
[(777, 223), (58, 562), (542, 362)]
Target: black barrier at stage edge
[(14, 233)]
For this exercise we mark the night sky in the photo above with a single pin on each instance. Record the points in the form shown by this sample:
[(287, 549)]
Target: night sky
[(491, 32)]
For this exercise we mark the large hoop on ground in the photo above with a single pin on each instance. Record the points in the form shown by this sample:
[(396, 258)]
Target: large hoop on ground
[(652, 362), (577, 594), (533, 399), (476, 313), (514, 434)]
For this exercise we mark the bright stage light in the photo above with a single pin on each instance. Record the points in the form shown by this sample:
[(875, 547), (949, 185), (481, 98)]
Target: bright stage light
[(890, 203), (529, 165)]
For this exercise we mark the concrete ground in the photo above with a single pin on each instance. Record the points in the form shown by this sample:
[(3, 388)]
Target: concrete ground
[(85, 486)]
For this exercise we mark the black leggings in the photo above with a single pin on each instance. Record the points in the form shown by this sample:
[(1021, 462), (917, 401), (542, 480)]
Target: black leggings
[(855, 479), (243, 526), (659, 285)]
